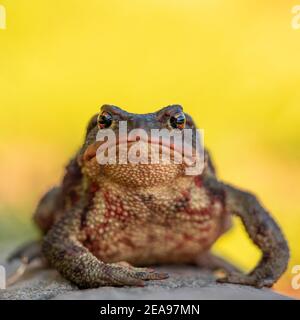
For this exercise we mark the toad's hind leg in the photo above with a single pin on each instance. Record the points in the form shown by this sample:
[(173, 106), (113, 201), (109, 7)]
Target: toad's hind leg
[(25, 256), (47, 211), (28, 252)]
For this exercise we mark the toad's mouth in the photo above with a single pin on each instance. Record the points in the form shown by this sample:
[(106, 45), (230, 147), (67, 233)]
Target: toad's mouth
[(187, 153)]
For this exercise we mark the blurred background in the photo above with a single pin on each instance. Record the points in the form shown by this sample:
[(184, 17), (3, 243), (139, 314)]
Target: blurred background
[(234, 65)]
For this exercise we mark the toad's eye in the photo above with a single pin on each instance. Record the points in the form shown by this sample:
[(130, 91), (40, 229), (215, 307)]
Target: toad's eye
[(104, 120), (178, 121)]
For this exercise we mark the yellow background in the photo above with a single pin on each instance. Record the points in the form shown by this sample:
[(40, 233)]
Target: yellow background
[(234, 65)]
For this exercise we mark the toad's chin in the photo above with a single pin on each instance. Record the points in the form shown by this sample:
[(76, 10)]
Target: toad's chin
[(140, 175), (133, 174)]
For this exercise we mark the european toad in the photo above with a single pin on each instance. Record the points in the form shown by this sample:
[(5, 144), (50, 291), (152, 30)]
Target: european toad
[(107, 223)]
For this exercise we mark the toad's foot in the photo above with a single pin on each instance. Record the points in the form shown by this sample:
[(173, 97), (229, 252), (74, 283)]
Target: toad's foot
[(123, 273), (250, 280)]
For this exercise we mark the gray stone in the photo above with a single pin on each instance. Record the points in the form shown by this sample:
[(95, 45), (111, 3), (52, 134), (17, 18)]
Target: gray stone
[(185, 282)]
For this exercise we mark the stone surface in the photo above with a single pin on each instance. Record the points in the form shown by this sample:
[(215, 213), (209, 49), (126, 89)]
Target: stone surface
[(185, 282)]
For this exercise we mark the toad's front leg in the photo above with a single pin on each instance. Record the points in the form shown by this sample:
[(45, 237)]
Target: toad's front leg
[(76, 263), (263, 231)]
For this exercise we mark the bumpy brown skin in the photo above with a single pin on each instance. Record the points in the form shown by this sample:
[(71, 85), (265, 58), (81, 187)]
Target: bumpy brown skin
[(104, 219)]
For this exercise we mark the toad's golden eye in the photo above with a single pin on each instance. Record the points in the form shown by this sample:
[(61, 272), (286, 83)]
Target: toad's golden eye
[(104, 120), (178, 121)]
